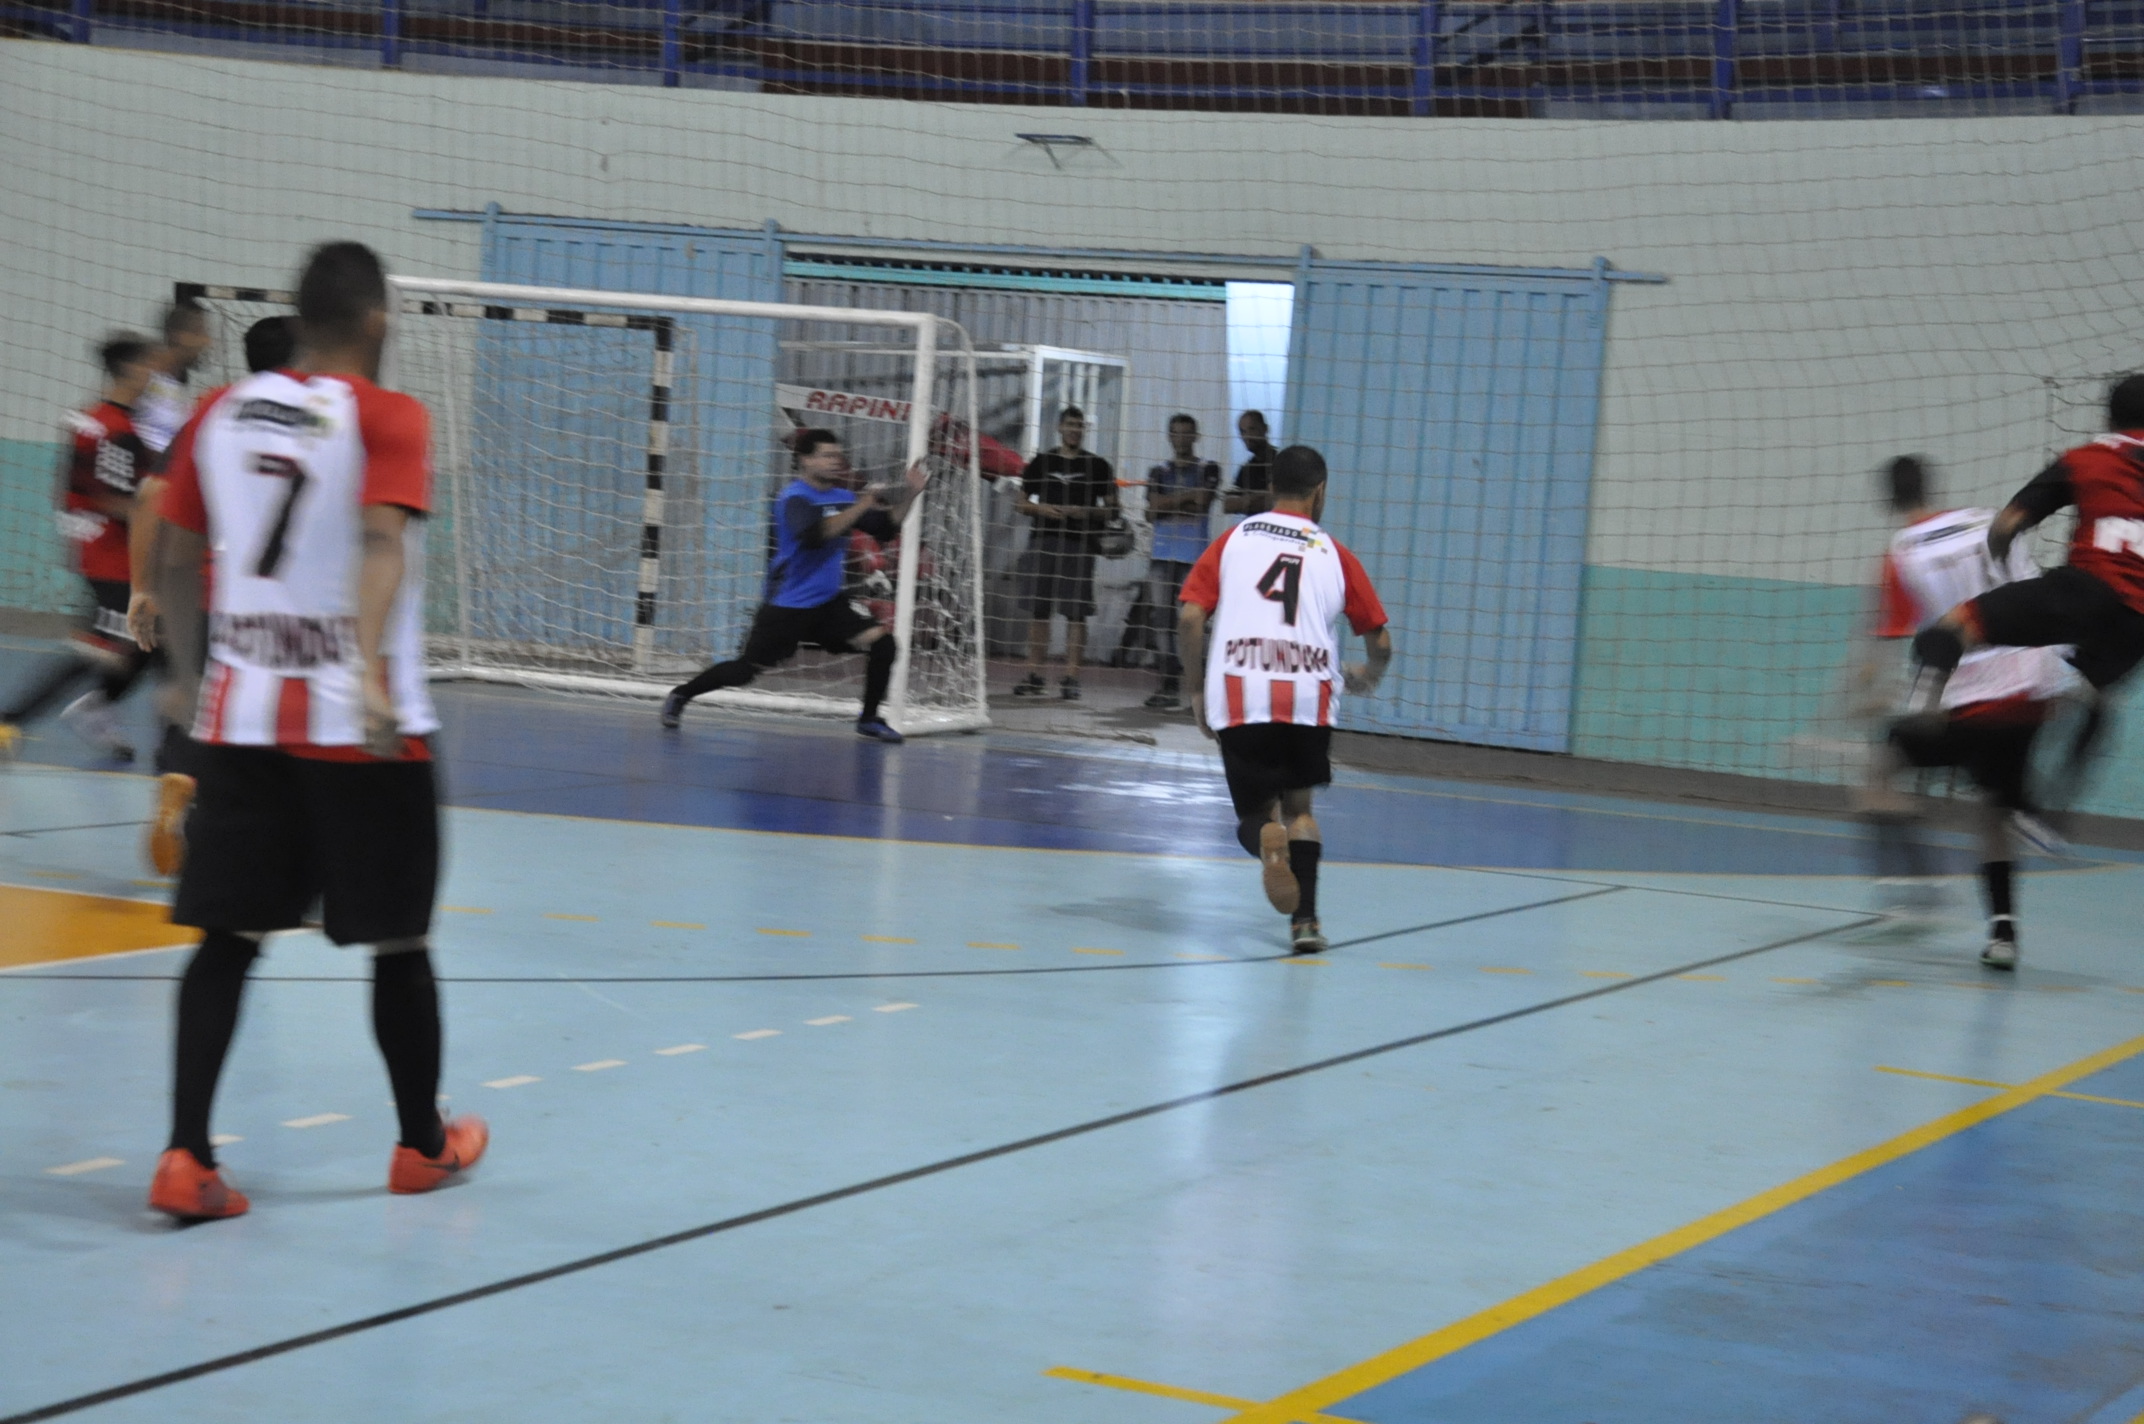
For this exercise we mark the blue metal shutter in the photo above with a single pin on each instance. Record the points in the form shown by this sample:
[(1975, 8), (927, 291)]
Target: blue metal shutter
[(584, 439), (1456, 409)]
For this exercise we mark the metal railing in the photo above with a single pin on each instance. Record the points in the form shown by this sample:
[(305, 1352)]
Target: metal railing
[(1508, 58)]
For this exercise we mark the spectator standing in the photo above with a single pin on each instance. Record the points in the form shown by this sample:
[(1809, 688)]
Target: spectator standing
[(1179, 492), (1253, 491), (1070, 492)]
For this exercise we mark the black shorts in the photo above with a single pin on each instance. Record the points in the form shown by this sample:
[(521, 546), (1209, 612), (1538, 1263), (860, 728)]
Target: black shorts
[(270, 832), (1060, 580), (1262, 760), (1998, 755), (2066, 605), (778, 632)]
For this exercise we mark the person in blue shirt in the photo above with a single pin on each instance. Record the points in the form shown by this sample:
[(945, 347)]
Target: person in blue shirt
[(807, 599), (1178, 494)]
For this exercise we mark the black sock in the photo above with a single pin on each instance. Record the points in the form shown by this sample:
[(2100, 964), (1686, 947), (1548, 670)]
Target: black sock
[(58, 681), (878, 672), (734, 673), (120, 680), (1996, 880), (209, 994), (405, 1020), (175, 752), (1303, 860), (1247, 831)]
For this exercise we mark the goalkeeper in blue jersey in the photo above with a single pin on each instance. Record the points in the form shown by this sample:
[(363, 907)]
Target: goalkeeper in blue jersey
[(807, 601)]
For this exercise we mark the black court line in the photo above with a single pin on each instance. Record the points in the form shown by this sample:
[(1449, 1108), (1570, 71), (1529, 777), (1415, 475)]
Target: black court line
[(849, 974), (875, 1184)]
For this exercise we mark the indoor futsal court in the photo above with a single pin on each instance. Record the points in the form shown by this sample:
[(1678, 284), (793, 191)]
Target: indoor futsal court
[(1071, 712)]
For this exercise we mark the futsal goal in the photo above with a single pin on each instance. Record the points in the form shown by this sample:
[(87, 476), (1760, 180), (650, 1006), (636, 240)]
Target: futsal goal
[(606, 468)]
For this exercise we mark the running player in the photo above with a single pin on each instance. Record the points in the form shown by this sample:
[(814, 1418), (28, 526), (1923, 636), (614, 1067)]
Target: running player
[(270, 343), (1992, 708), (2094, 602), (315, 773), (1273, 588), (807, 596), (101, 469), (167, 402)]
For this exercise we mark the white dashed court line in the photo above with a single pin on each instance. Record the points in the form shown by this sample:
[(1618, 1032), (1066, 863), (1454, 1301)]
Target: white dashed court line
[(75, 1169), (680, 1048), (599, 1065), (317, 1120), (829, 1019), (894, 1008), (518, 1081), (759, 1033)]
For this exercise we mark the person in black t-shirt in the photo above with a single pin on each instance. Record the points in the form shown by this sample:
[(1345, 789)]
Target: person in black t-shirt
[(1069, 492), (1253, 490)]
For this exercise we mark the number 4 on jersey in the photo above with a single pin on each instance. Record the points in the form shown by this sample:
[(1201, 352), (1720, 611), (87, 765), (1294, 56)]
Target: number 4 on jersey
[(279, 467), (1283, 584)]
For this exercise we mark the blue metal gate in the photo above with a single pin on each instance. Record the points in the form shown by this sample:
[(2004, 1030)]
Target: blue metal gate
[(1456, 408), (560, 433)]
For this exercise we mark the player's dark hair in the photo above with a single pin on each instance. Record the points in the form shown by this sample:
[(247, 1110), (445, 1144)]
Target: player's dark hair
[(1071, 412), (808, 441), (1257, 415), (1906, 482), (270, 342), (181, 314), (1181, 418), (120, 350), (2125, 404), (1297, 471), (342, 284)]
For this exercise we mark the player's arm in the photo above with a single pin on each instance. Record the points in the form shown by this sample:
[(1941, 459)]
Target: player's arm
[(883, 521), (2050, 490), (379, 579), (1032, 483), (1365, 613), (1363, 677), (1191, 652), (142, 527)]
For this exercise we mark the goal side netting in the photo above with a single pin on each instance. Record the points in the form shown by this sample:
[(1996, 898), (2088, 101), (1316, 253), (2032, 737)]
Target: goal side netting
[(606, 471)]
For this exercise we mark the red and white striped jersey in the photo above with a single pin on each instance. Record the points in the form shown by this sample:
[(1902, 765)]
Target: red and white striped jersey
[(1942, 561), (1276, 587), (276, 471)]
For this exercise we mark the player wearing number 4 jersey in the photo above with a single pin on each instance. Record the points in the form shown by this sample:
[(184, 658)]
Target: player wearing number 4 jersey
[(1271, 592), (315, 778)]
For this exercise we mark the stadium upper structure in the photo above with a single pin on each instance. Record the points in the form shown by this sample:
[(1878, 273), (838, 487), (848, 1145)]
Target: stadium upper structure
[(606, 463)]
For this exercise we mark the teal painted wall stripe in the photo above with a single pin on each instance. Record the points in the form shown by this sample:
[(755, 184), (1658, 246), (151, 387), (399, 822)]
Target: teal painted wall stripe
[(34, 574)]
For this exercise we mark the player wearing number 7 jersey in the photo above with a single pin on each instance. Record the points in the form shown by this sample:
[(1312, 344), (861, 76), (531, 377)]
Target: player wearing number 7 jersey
[(307, 483), (1272, 591), (2097, 600)]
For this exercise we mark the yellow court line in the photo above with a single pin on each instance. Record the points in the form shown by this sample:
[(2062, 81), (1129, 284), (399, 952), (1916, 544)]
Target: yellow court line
[(1370, 1373), (1989, 1083), (889, 939), (676, 925), (584, 919), (787, 934), (1170, 1391)]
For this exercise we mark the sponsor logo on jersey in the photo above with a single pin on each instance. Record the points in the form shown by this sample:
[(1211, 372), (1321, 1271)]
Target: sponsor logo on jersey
[(260, 411), (1281, 655), (284, 640), (1278, 531)]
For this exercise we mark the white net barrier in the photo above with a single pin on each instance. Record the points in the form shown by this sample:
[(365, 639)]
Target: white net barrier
[(606, 481)]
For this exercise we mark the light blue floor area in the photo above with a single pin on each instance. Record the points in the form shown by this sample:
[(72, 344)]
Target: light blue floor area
[(972, 1112)]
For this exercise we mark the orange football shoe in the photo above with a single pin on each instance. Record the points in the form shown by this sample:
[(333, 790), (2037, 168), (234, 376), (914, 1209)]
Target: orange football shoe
[(1282, 893), (412, 1171), (191, 1192), (167, 833)]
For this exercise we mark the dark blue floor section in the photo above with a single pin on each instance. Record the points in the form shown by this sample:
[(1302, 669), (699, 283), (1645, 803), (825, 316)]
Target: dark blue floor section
[(510, 749), (2000, 1271)]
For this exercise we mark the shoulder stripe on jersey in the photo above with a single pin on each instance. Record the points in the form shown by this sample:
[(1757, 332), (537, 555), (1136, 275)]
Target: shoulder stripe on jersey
[(1325, 703)]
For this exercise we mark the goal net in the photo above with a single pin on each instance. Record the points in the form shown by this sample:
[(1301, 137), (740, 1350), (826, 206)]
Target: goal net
[(606, 470)]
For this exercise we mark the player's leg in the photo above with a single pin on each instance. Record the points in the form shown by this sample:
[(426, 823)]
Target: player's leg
[(1164, 582), (770, 643), (1901, 862), (2000, 759), (849, 630), (378, 827), (93, 716), (1076, 602), (1305, 848), (1043, 562), (251, 866)]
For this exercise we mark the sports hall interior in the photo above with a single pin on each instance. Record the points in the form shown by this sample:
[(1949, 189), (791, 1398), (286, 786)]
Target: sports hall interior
[(972, 1078)]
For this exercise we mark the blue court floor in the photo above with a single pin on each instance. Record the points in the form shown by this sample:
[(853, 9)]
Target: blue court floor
[(968, 1080)]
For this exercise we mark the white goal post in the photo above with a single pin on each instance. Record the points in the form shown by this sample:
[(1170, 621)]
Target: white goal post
[(608, 480)]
